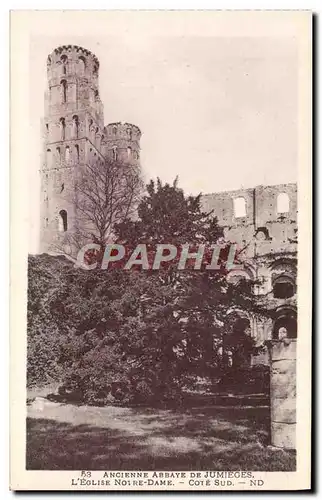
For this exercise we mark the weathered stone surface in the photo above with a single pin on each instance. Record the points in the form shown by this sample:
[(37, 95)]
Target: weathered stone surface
[(283, 435), (283, 394), (283, 410)]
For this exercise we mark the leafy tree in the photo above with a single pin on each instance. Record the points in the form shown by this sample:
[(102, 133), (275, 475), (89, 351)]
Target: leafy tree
[(143, 335)]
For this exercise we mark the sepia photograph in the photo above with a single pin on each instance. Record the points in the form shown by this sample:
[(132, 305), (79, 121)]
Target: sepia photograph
[(166, 198)]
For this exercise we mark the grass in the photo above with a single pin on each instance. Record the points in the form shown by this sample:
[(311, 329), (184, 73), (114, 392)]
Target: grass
[(68, 437)]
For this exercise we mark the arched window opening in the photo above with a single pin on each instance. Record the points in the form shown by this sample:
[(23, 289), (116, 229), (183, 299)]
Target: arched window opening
[(67, 154), (46, 221), (240, 207), (49, 158), (283, 203), (114, 153), (64, 63), (62, 187), (63, 224), (75, 126), (90, 128), (64, 90), (62, 128), (82, 65), (58, 153), (47, 127), (129, 152), (77, 151), (283, 287), (285, 326)]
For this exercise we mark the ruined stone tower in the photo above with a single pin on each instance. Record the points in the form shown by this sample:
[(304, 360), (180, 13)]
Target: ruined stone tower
[(73, 135)]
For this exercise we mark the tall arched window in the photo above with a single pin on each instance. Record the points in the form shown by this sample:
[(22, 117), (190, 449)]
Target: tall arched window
[(75, 126), (283, 203), (48, 158), (90, 129), (64, 64), (129, 152), (58, 154), (77, 152), (63, 84), (62, 221), (67, 154), (82, 65), (62, 128), (239, 207)]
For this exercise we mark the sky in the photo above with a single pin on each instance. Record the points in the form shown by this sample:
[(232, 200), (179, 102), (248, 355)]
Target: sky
[(219, 112)]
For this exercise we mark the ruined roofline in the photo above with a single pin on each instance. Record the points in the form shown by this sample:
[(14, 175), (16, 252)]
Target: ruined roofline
[(263, 186)]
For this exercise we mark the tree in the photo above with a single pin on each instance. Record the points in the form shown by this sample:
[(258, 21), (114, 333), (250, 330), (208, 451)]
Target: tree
[(166, 327), (144, 335), (106, 192)]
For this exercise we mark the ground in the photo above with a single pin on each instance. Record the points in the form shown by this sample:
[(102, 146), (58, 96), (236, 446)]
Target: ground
[(224, 435)]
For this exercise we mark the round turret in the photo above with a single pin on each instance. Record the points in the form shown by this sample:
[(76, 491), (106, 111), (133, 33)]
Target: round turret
[(122, 142), (72, 60)]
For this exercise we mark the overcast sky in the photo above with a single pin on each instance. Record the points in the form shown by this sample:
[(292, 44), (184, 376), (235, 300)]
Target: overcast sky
[(218, 112)]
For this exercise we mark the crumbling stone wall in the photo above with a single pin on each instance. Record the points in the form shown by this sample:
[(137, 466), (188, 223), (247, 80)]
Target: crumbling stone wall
[(265, 231)]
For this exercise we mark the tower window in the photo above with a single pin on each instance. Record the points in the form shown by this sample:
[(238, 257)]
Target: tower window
[(62, 128), (64, 63), (58, 154), (47, 127), (63, 224), (62, 187), (67, 154), (129, 152), (90, 126), (283, 203), (49, 158), (82, 65), (240, 207), (63, 84), (77, 151), (75, 126)]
